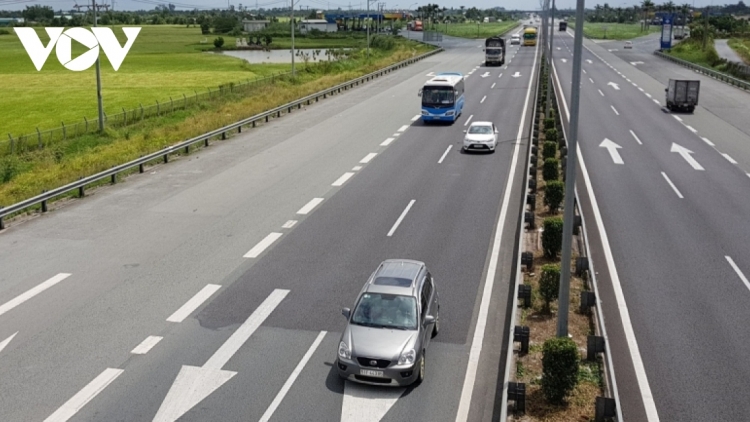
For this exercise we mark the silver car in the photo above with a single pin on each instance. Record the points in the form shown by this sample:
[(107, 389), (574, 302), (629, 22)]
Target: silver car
[(395, 316)]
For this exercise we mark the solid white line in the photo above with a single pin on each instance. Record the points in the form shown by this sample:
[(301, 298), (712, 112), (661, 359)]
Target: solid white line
[(600, 92), (146, 345), (493, 85), (356, 168), (738, 271), (748, 174), (672, 184), (289, 224), (263, 244), (613, 109), (468, 120), (386, 142), (23, 297), (341, 180), (415, 118), (6, 342), (483, 98), (239, 337), (72, 406), (293, 377), (678, 118), (592, 81), (708, 142), (310, 205), (622, 307), (484, 307), (193, 303), (401, 217), (403, 128), (368, 158), (444, 154), (636, 138), (691, 129), (730, 159)]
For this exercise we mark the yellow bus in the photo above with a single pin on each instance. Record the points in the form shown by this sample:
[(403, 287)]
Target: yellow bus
[(529, 36)]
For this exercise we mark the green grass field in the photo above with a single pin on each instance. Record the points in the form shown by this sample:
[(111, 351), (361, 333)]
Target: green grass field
[(742, 47), (473, 30), (620, 31), (164, 61)]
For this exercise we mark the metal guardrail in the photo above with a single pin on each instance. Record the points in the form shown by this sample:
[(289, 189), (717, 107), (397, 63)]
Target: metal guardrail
[(164, 153), (731, 80)]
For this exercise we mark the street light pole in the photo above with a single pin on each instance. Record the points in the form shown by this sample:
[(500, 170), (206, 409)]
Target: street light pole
[(550, 32), (98, 82), (291, 21), (368, 29), (570, 177)]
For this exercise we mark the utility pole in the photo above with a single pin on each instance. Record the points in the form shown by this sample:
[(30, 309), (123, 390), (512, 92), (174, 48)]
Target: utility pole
[(551, 37), (98, 81), (291, 21), (705, 29), (570, 177), (368, 29)]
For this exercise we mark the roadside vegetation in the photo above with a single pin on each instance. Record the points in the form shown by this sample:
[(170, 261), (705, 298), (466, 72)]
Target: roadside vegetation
[(165, 61), (561, 386), (614, 31), (26, 175), (475, 30), (692, 50), (742, 47)]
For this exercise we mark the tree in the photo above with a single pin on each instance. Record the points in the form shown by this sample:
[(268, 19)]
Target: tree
[(38, 13), (218, 42)]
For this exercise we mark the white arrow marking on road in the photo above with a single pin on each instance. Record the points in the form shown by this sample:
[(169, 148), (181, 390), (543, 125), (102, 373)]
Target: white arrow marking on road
[(366, 404), (558, 48), (686, 155), (485, 74), (589, 61), (612, 148), (614, 85), (613, 49), (431, 74), (635, 63), (516, 75), (6, 341), (193, 384), (564, 60)]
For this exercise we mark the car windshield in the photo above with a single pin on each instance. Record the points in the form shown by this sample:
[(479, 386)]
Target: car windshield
[(386, 311), (435, 96), (480, 130)]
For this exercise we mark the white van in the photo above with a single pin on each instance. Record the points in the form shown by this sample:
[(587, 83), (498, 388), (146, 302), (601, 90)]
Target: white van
[(515, 39)]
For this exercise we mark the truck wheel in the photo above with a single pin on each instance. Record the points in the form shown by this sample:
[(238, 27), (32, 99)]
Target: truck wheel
[(691, 109)]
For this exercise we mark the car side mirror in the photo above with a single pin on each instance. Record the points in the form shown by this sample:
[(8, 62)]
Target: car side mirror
[(346, 312), (464, 130), (419, 94), (666, 89), (429, 319), (495, 130)]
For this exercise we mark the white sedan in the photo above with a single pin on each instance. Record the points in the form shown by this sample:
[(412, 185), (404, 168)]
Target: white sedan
[(481, 136)]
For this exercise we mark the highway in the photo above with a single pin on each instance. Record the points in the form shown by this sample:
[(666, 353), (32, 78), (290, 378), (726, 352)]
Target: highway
[(210, 288), (665, 198)]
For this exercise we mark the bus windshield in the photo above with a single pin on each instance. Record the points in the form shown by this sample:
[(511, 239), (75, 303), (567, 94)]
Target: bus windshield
[(529, 36), (437, 96)]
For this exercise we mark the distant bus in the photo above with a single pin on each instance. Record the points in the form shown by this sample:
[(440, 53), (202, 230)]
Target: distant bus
[(529, 36), (443, 97)]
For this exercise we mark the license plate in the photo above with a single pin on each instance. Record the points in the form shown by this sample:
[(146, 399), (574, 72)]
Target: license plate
[(371, 373)]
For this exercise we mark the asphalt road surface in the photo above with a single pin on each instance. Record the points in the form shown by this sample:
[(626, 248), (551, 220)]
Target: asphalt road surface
[(666, 200), (210, 288)]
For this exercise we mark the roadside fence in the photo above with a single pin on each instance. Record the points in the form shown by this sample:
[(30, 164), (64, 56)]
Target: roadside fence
[(731, 80)]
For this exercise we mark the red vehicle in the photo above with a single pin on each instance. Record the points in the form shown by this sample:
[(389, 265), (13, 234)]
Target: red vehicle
[(417, 26)]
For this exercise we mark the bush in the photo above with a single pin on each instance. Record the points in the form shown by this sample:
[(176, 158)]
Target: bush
[(549, 284), (550, 169), (549, 150), (550, 135), (224, 24), (4, 32), (552, 236), (554, 192), (560, 361), (205, 29), (382, 42), (218, 42), (549, 124)]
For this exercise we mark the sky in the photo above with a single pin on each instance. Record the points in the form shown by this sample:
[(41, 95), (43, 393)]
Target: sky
[(344, 4)]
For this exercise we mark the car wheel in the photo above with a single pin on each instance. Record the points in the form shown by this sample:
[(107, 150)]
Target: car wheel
[(436, 327), (422, 365)]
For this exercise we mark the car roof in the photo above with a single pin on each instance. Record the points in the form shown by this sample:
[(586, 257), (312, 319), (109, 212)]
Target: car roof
[(480, 124), (396, 269)]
